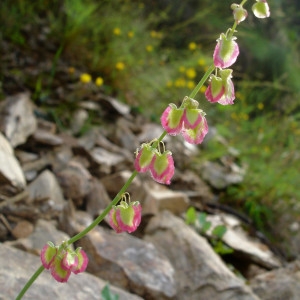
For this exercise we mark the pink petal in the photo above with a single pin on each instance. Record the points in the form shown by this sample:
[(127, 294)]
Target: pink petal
[(196, 135), (226, 52), (113, 221), (171, 120), (165, 176), (143, 160), (209, 96), (48, 254), (57, 272), (191, 118), (83, 261)]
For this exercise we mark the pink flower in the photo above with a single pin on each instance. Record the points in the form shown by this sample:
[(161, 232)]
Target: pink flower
[(162, 169), (172, 119), (62, 261), (160, 165), (261, 9), (239, 13), (196, 135), (125, 217), (221, 89), (144, 158), (226, 51), (190, 122)]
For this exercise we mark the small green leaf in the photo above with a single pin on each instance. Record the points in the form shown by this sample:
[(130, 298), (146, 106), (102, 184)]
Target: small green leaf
[(190, 216), (107, 294), (206, 226), (222, 249), (202, 218), (219, 231)]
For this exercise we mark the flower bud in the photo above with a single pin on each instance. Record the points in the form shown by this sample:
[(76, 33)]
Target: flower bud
[(163, 168), (125, 217), (239, 13), (171, 119), (144, 158), (197, 134), (221, 89), (62, 260), (226, 51), (261, 9)]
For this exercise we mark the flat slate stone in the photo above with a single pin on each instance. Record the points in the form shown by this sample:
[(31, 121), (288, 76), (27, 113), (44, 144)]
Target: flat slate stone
[(18, 266)]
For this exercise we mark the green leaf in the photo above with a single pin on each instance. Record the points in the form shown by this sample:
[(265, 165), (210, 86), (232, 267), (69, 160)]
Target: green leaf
[(190, 216), (107, 294), (222, 249), (206, 226), (219, 231), (202, 218)]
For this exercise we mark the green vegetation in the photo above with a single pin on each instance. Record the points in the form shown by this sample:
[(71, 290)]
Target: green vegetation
[(149, 53)]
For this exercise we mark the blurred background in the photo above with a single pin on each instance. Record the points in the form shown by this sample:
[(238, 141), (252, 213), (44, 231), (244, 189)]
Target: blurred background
[(150, 53)]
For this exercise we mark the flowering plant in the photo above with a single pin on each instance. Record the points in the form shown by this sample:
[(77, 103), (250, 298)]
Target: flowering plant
[(187, 120)]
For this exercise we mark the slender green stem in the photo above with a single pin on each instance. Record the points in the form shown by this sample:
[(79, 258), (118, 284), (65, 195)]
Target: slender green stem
[(105, 211), (30, 282), (201, 82)]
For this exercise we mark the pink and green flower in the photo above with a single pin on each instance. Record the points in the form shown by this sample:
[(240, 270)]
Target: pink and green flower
[(62, 261), (125, 217), (226, 51)]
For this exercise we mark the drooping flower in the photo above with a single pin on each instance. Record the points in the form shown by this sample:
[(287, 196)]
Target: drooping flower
[(125, 217), (187, 120), (62, 261), (172, 119), (221, 89), (196, 135), (144, 158), (226, 51), (261, 9), (162, 169), (239, 13)]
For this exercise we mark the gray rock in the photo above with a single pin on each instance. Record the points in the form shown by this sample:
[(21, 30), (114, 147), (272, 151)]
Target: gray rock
[(159, 198), (200, 273), (17, 121), (10, 169), (44, 231), (242, 244), (46, 188), (278, 284), (130, 263), (75, 181), (18, 266), (220, 176)]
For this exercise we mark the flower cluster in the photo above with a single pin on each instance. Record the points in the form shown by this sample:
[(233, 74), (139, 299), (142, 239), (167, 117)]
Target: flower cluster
[(160, 164), (62, 261), (125, 216), (187, 120)]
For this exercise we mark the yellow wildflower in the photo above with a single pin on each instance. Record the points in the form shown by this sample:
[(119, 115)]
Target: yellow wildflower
[(180, 82), (149, 48), (203, 89), (190, 84), (192, 46), (85, 78), (260, 106), (117, 31), (99, 81), (191, 73), (120, 66)]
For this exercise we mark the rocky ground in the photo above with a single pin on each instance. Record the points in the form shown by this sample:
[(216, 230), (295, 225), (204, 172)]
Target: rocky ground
[(54, 183)]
